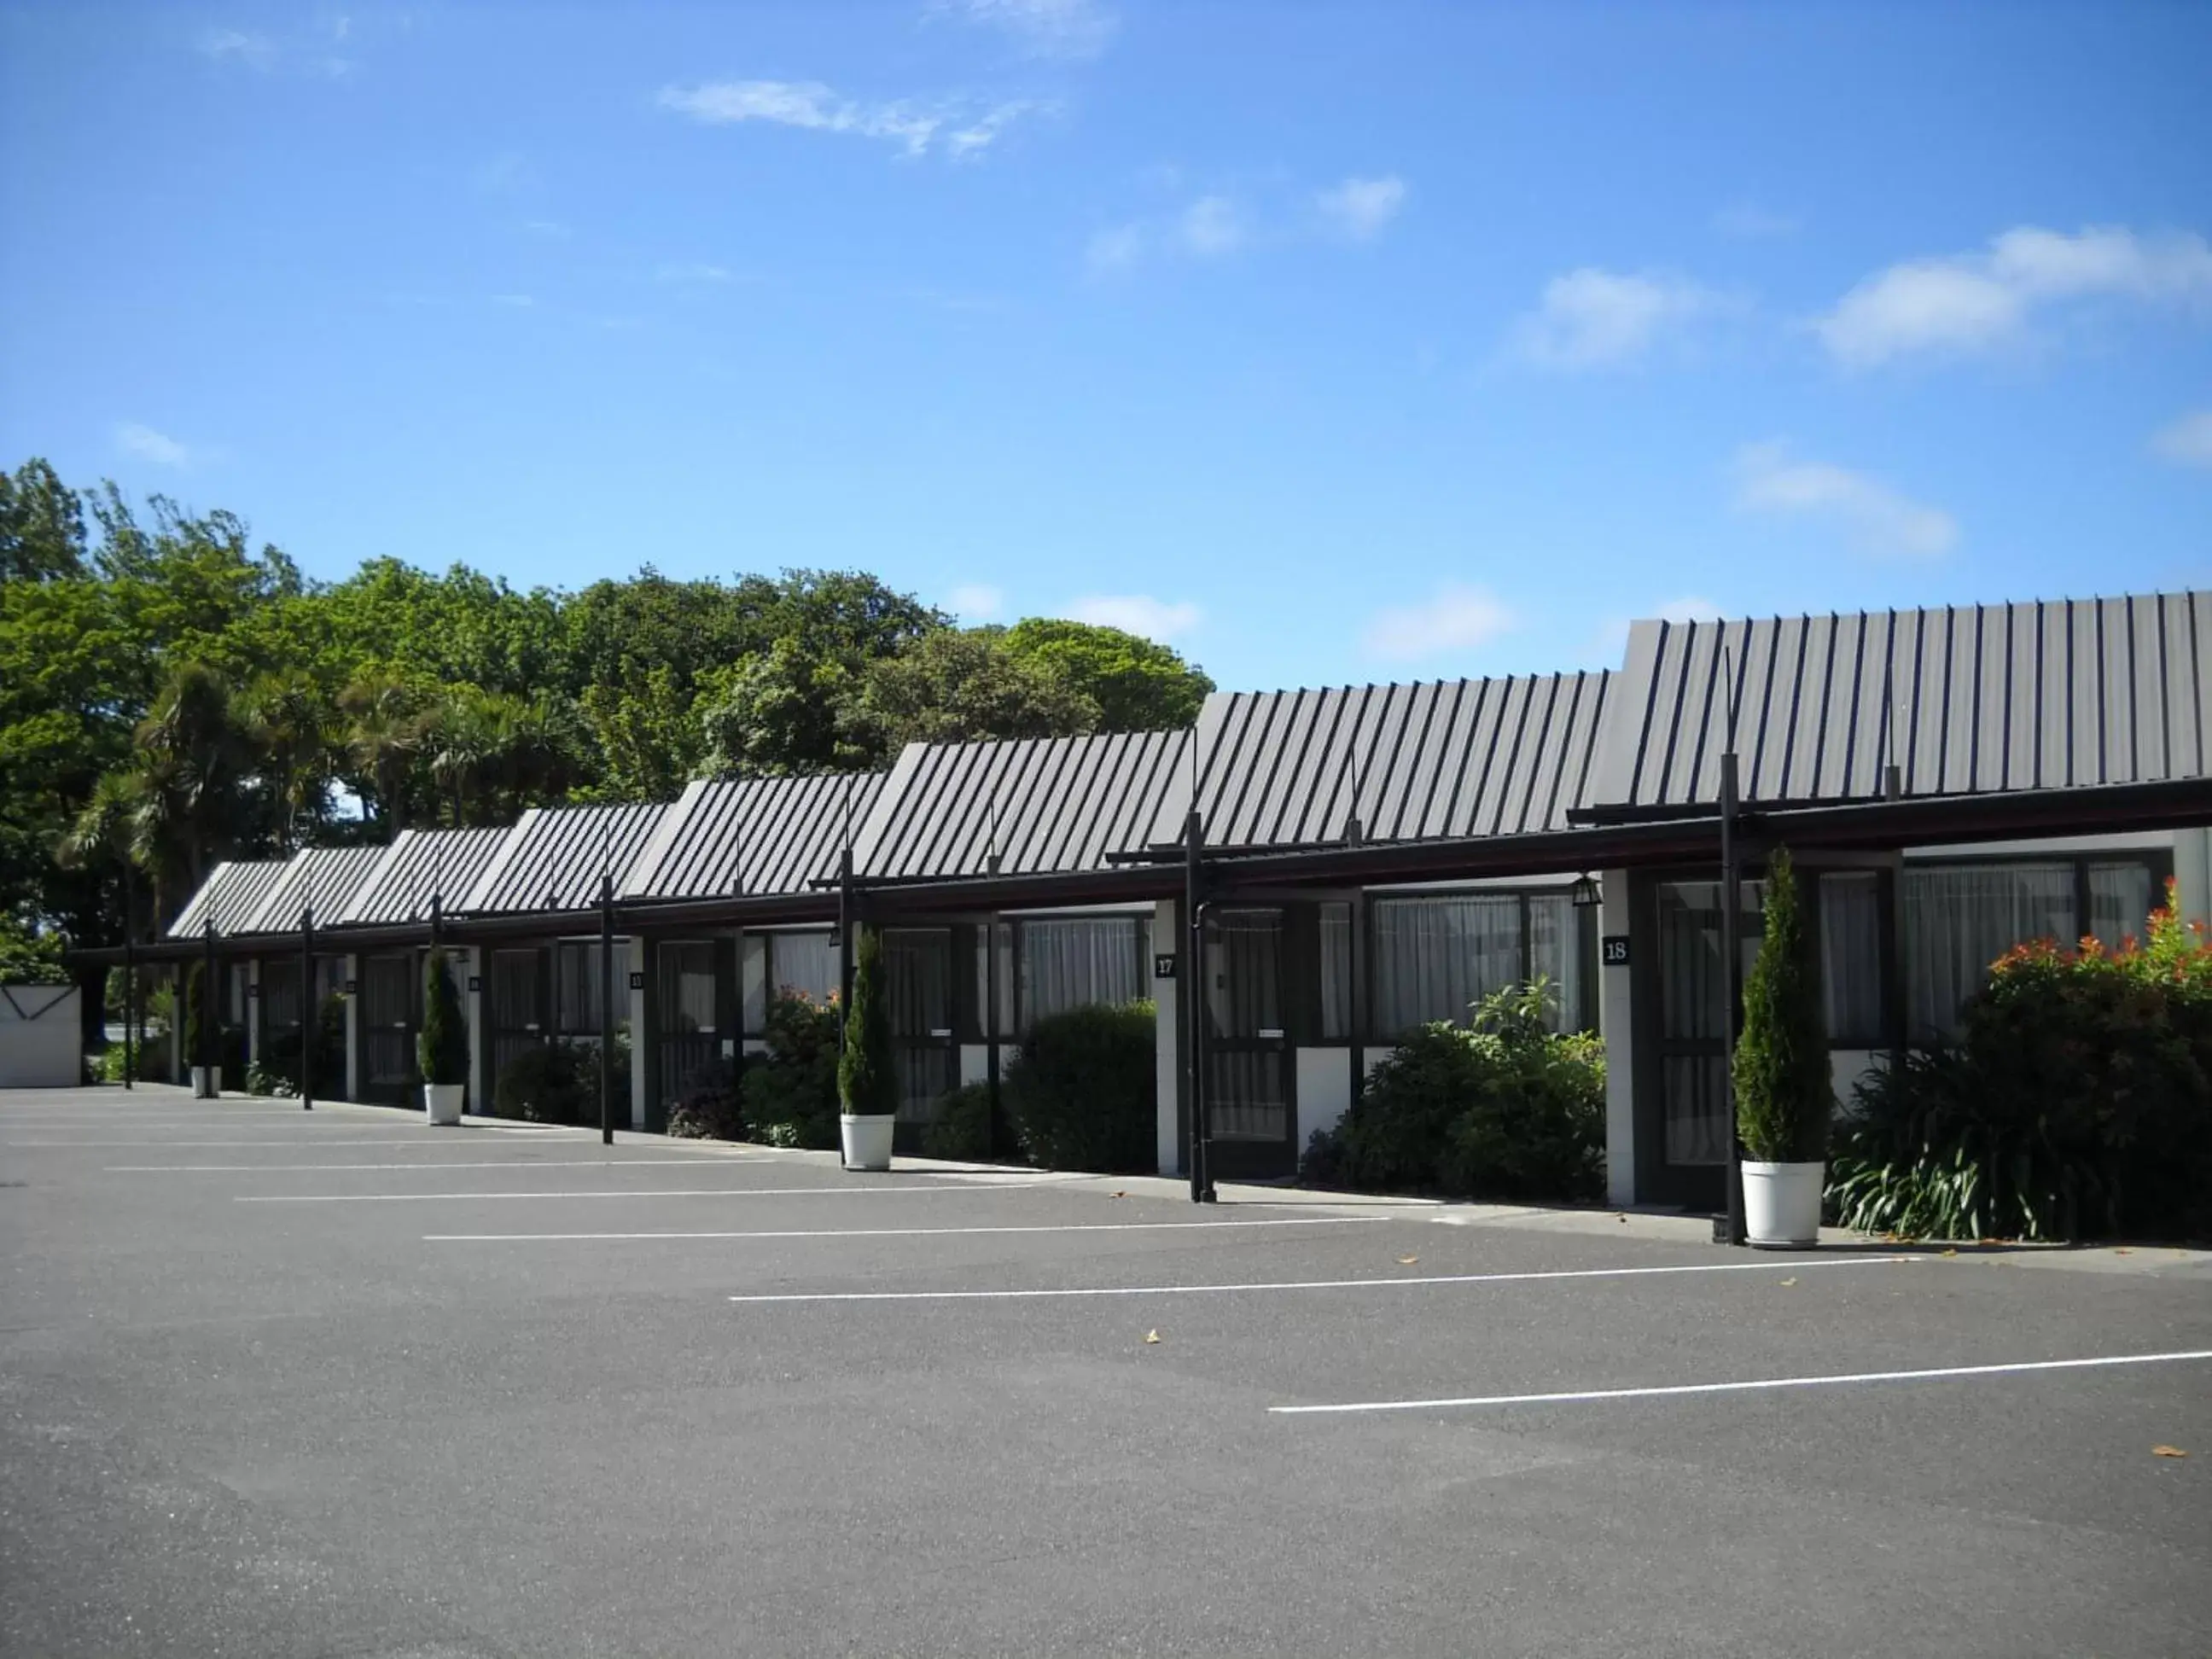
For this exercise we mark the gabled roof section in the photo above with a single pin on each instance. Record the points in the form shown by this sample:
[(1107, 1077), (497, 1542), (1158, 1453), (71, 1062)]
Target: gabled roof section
[(1046, 805), (752, 836), (553, 858), (1964, 700), (228, 897), (419, 864), (324, 876), (1424, 762)]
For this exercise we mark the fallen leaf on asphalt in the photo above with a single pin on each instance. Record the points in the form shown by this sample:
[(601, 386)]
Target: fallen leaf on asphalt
[(1953, 1250), (1117, 1194), (2122, 1249), (1151, 1336), (1407, 1260), (2168, 1451), (1787, 1282)]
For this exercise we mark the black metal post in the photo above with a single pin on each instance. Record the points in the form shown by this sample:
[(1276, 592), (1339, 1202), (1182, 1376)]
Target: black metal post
[(310, 1011), (130, 970), (606, 1009), (1193, 993), (210, 1014), (1732, 954), (991, 1031), (848, 914)]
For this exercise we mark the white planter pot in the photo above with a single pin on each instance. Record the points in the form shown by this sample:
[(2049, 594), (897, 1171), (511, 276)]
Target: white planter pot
[(868, 1141), (1782, 1203), (206, 1082), (442, 1102)]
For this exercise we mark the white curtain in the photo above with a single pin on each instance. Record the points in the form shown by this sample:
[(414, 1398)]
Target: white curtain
[(1435, 957), (1959, 919), (752, 964), (804, 963), (1555, 950), (576, 987), (1850, 958), (2119, 901), (687, 986), (1076, 960), (1336, 971)]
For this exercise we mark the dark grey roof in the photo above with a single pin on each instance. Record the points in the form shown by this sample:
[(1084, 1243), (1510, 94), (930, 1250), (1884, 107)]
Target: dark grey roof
[(1046, 805), (1412, 763), (228, 897), (421, 863), (553, 858), (324, 876), (752, 835), (1964, 699)]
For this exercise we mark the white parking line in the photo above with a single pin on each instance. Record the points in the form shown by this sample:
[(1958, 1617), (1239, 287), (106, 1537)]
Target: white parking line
[(671, 1192), (320, 1137), (1931, 1374), (1411, 1281), (906, 1232), (692, 1163)]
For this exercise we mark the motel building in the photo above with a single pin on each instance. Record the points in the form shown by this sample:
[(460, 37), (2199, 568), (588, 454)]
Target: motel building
[(1951, 782)]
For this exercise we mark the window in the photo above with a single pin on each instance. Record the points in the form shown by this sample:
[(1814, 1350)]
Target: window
[(1336, 971), (2119, 901), (576, 987), (753, 971), (687, 986), (1437, 955), (1960, 918), (1075, 962), (807, 963), (1850, 958), (1003, 933), (1555, 952)]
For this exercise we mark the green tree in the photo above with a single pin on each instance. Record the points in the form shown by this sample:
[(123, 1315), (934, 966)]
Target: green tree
[(1784, 1087), (388, 720), (41, 525), (953, 686), (645, 727), (441, 1047), (784, 711), (293, 727), (1138, 685), (867, 1082)]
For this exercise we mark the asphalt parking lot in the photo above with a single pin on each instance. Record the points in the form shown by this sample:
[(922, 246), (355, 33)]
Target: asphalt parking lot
[(282, 1384)]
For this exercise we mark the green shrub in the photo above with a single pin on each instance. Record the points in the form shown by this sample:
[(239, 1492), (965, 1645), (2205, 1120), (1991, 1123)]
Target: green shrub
[(277, 1071), (550, 1083), (441, 1047), (790, 1093), (962, 1131), (2076, 1103), (708, 1104), (867, 1080), (1083, 1093), (1506, 1109), (1783, 1087), (195, 1013)]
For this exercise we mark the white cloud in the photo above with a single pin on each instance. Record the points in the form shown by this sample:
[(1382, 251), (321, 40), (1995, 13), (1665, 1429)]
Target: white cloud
[(2187, 440), (1070, 29), (1358, 209), (1114, 250), (1454, 618), (694, 271), (1212, 227), (1592, 318), (518, 301), (1968, 302), (1138, 613), (1878, 519), (255, 50), (977, 602), (552, 228), (1749, 222), (149, 445), (958, 129)]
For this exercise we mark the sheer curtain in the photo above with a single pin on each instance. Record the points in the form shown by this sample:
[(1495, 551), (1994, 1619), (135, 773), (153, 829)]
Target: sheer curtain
[(687, 986), (804, 963), (2119, 901), (1004, 934), (1075, 961), (753, 974), (1850, 958), (1336, 971), (1555, 950), (1434, 957), (917, 965), (1959, 919), (576, 987)]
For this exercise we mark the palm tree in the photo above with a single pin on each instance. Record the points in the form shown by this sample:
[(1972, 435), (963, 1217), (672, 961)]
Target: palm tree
[(385, 732), (291, 721), (193, 762)]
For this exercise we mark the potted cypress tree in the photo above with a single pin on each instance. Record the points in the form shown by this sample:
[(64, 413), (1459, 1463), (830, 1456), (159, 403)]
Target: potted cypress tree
[(206, 1067), (867, 1084), (1783, 1087), (442, 1050)]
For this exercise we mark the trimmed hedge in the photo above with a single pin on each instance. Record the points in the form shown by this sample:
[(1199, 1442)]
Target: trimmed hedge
[(790, 1094), (1083, 1093), (961, 1132), (558, 1082)]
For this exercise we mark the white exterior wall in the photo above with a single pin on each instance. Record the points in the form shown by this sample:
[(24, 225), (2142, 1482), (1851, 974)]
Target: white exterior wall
[(470, 965), (1617, 1025), (353, 1029), (2192, 872), (629, 963), (252, 1013), (1168, 1047), (1324, 1092)]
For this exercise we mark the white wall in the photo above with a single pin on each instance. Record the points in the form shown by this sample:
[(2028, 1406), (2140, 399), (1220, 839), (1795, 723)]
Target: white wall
[(2192, 872), (1324, 1085), (38, 1037), (352, 1030), (1167, 939), (1617, 1023), (629, 959)]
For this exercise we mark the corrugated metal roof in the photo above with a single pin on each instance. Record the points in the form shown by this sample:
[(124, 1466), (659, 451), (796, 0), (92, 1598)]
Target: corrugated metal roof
[(1046, 805), (1412, 763), (1964, 699), (553, 858), (752, 835), (228, 897), (324, 876), (422, 863)]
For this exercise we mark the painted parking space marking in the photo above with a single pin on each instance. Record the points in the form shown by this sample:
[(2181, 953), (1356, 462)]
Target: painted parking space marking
[(1936, 1373), (692, 1163), (1411, 1281), (908, 1232), (670, 1192)]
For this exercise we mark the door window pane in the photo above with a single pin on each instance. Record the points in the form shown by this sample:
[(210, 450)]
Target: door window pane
[(1335, 971), (1959, 919), (1435, 957), (1243, 973), (1850, 958), (1693, 1014), (2119, 902), (1077, 961), (687, 986), (576, 987)]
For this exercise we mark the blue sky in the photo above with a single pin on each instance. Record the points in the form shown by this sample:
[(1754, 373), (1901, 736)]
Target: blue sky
[(1325, 342)]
